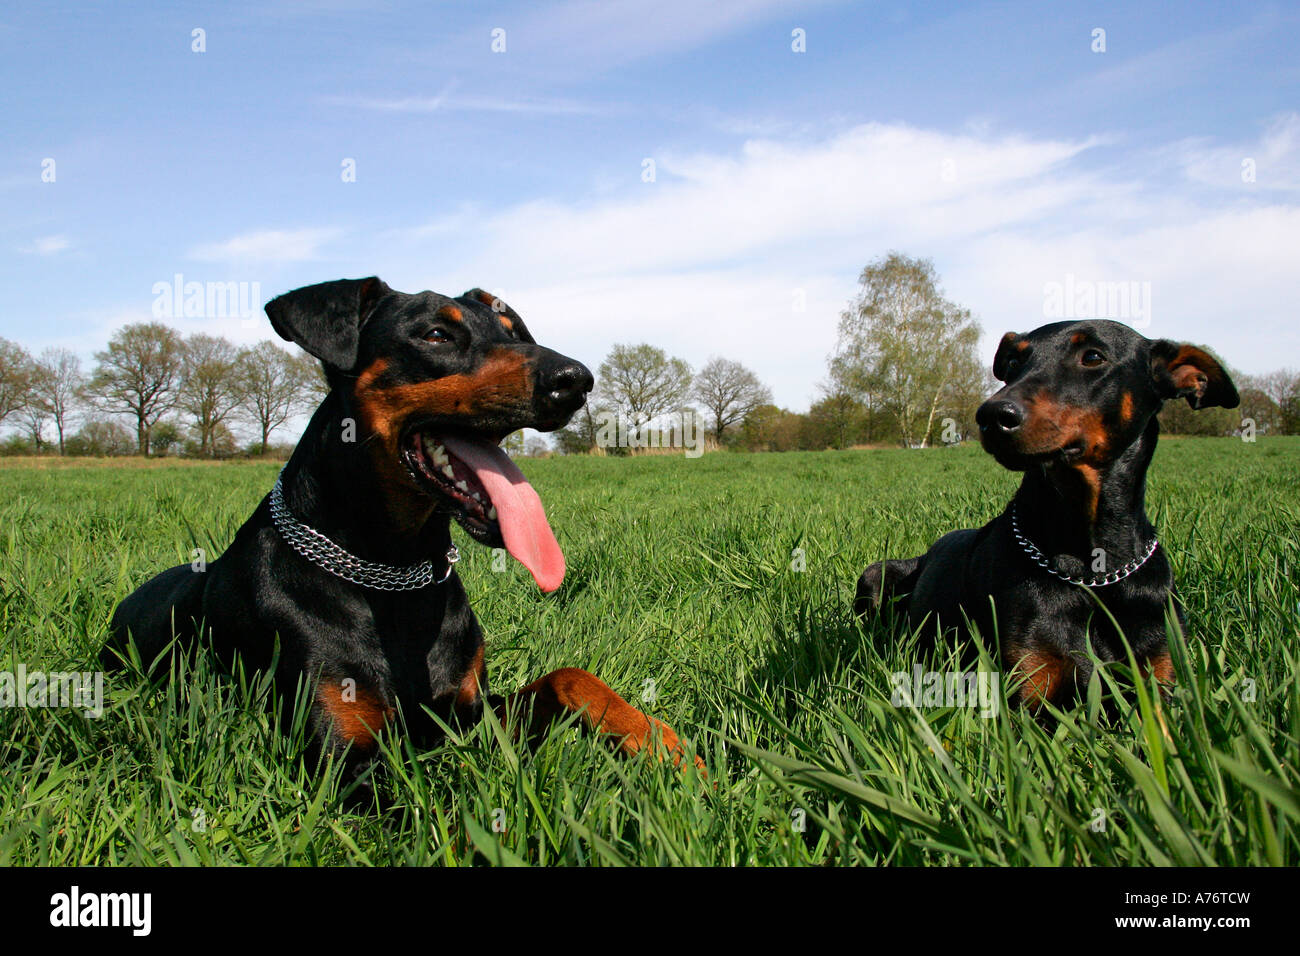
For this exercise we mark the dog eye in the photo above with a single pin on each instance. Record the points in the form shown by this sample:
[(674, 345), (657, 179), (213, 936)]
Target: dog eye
[(1092, 358), (1013, 366), (437, 335)]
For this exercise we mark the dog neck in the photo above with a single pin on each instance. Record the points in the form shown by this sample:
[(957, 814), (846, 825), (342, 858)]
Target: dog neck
[(1068, 509), (331, 485)]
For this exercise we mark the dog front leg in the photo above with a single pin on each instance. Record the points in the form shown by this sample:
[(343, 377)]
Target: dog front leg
[(604, 712)]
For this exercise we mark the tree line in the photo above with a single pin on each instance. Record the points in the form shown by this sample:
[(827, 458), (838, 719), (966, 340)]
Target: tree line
[(905, 371), (153, 391)]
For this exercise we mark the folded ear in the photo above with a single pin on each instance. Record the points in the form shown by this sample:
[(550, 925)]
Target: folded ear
[(1193, 373), (326, 318), (515, 323), (1006, 352)]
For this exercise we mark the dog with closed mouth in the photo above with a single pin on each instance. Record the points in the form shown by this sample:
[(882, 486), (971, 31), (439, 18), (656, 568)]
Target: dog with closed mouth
[(1077, 415), (348, 563)]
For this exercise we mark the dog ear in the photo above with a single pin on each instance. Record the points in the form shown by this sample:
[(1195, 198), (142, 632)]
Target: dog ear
[(1193, 373), (501, 309), (1006, 352), (326, 318)]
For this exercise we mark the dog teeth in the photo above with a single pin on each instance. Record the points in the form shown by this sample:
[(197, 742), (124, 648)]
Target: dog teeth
[(462, 486), (492, 513), (446, 470), (436, 452), (476, 497)]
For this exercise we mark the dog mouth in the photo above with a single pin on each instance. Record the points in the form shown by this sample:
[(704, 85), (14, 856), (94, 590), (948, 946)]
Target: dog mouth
[(1012, 454), (435, 469), (488, 496)]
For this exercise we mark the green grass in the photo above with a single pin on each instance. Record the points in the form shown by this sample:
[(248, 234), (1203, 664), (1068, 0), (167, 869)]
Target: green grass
[(679, 580)]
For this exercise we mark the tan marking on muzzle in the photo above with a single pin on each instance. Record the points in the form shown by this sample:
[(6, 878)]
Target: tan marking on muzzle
[(500, 383)]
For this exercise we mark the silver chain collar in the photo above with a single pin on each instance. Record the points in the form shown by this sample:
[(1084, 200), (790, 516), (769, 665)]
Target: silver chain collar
[(1040, 559), (324, 553)]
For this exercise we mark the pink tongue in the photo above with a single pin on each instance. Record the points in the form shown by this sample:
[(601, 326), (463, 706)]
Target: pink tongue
[(519, 511)]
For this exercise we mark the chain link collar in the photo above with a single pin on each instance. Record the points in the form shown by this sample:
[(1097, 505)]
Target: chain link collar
[(324, 553), (1041, 560)]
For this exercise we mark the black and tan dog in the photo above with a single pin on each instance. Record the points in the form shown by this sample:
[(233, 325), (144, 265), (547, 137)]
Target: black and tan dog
[(349, 560), (1078, 416)]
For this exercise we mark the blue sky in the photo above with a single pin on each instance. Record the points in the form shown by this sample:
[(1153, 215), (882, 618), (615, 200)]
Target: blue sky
[(989, 137)]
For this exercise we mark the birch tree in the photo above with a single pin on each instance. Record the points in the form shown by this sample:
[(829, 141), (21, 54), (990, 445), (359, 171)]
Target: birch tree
[(904, 346)]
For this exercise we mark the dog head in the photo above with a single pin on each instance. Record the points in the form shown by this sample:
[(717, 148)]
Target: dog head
[(1080, 393), (436, 383)]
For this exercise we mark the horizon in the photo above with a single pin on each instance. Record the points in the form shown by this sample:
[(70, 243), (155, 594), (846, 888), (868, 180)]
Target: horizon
[(1015, 157)]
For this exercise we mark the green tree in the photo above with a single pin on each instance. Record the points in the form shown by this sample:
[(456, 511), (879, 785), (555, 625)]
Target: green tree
[(837, 420), (769, 428), (209, 389), (642, 382), (165, 436), (903, 344), (15, 377)]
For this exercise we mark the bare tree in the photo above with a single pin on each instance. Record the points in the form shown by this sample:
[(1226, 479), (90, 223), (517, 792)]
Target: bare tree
[(729, 392), (1283, 388), (15, 377), (209, 389), (57, 386), (34, 418), (275, 385), (907, 345), (642, 382), (139, 374), (1279, 385)]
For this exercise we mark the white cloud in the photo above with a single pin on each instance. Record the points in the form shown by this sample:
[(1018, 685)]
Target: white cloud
[(1274, 159), (704, 209), (707, 259), (47, 245), (268, 246), (710, 258)]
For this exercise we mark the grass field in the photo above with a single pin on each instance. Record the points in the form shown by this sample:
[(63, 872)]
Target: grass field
[(681, 595)]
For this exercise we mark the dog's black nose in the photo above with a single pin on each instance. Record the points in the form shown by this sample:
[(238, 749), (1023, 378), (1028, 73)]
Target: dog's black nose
[(1002, 416), (567, 385)]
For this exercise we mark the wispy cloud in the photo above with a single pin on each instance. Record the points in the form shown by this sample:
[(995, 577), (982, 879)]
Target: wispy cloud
[(794, 198), (1270, 162), (1173, 64), (589, 36), (446, 100), (47, 245), (268, 246)]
